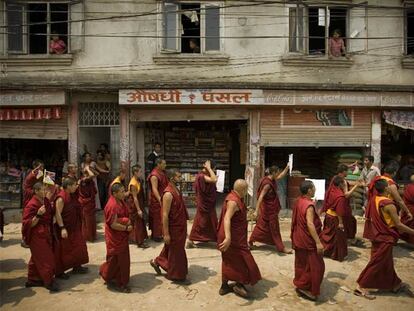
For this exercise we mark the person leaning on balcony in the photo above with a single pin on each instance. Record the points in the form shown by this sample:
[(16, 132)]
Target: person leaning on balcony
[(336, 45)]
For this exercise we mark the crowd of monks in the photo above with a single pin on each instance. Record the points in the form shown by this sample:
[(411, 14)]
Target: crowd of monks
[(59, 220)]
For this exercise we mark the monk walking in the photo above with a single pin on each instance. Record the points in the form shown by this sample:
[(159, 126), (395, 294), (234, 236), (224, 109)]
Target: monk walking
[(409, 202), (386, 225), (349, 220), (72, 251), (135, 202), (173, 258), (205, 221), (267, 229), (158, 181), (87, 193), (238, 264), (306, 227), (333, 236), (115, 270), (37, 233)]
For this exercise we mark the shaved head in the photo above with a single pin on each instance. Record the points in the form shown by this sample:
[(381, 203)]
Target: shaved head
[(240, 186)]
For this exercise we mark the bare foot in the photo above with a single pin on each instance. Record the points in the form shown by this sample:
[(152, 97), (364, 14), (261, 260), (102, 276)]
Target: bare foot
[(190, 244), (360, 292), (287, 251)]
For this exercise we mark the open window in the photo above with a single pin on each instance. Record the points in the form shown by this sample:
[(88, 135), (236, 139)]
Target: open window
[(311, 27), (191, 28), (409, 25), (42, 27)]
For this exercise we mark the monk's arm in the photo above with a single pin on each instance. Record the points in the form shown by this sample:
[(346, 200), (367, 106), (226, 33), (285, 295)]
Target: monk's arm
[(261, 197), (231, 209), (166, 206), (397, 198), (39, 213), (134, 191), (117, 226), (283, 173), (154, 188), (348, 193), (392, 211), (312, 229), (59, 208), (212, 179), (341, 222)]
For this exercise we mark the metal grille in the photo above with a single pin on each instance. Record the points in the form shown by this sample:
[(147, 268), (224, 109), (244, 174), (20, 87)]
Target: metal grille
[(98, 114)]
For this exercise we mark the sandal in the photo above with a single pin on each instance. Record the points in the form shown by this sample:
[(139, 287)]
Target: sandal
[(403, 288), (239, 290), (360, 293), (156, 267), (301, 293)]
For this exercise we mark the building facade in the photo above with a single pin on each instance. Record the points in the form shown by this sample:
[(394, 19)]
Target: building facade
[(243, 82)]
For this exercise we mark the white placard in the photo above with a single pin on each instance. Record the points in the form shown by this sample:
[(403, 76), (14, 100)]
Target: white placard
[(249, 176), (320, 188), (290, 163), (220, 180)]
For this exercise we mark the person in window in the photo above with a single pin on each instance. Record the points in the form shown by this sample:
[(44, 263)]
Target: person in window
[(57, 45), (336, 45), (194, 47), (152, 157)]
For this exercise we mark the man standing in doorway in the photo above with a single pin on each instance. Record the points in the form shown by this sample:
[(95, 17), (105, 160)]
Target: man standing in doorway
[(154, 155), (158, 181), (369, 172)]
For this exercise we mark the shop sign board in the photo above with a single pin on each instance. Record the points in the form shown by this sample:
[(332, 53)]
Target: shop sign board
[(46, 98), (222, 97)]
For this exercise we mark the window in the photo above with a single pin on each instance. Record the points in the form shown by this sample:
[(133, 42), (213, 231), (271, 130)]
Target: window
[(311, 27), (43, 27), (190, 27), (409, 22)]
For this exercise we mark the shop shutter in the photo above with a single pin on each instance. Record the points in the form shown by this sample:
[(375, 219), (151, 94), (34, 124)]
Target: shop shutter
[(33, 129), (287, 127)]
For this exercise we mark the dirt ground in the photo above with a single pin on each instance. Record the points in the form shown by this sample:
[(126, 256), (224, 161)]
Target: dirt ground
[(151, 292)]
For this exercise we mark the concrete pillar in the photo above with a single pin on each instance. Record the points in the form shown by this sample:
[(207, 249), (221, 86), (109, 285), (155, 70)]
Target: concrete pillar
[(73, 132), (254, 150), (376, 137), (124, 141)]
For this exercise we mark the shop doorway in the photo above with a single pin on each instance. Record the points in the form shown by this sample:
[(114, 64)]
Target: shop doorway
[(186, 145)]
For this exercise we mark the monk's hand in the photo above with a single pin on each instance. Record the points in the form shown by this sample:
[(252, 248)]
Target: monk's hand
[(41, 210), (207, 164), (319, 248), (341, 227), (167, 239), (410, 216), (139, 213), (64, 233), (224, 246), (129, 228)]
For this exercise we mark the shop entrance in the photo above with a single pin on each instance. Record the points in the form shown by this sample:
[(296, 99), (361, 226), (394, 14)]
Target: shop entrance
[(186, 145)]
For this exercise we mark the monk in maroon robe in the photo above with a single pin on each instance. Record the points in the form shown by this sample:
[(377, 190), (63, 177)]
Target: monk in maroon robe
[(238, 264), (349, 221), (306, 227), (30, 180), (390, 171), (333, 236), (158, 181), (115, 270), (385, 228), (173, 258), (267, 229), (87, 193), (135, 203), (37, 233), (71, 251), (205, 221), (409, 202)]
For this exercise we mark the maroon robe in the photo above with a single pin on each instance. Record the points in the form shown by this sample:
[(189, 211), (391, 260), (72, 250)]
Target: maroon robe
[(1, 221), (349, 220), (70, 252), (205, 221), (40, 240), (267, 229), (87, 193), (117, 265), (409, 201), (173, 258), (379, 272), (28, 184), (333, 238), (154, 217), (139, 233), (309, 265), (238, 263)]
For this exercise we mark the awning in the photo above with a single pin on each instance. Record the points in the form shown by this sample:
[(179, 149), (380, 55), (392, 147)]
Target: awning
[(28, 114), (400, 118)]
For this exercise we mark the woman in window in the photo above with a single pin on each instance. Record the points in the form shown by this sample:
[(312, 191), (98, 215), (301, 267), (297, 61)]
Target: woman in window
[(336, 45)]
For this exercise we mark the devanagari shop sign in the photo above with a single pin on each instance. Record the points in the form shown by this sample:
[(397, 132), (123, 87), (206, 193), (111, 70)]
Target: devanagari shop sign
[(191, 97)]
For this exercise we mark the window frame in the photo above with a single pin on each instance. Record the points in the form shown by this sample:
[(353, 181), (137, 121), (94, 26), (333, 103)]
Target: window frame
[(407, 5), (25, 31), (305, 21), (203, 6)]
